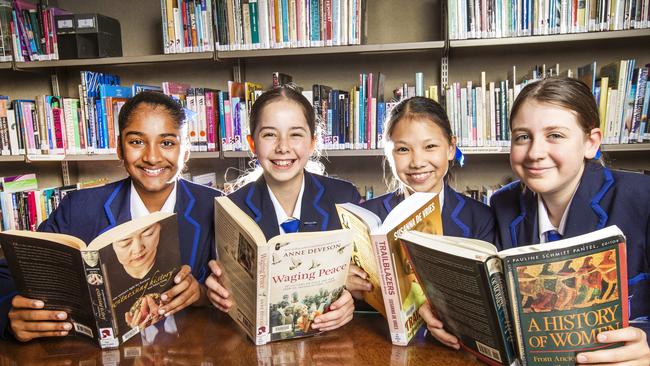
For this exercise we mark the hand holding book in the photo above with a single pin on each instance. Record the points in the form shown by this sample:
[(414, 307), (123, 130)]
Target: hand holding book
[(436, 327), (357, 282), (29, 320), (216, 292), (635, 349), (184, 293), (340, 313)]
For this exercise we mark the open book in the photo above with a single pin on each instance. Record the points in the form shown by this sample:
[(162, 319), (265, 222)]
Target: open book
[(555, 296), (395, 291), (111, 287), (278, 286)]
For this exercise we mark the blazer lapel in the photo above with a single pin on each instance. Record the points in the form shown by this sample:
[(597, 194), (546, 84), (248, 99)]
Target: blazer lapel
[(451, 212), (117, 207), (260, 204), (189, 228), (524, 228), (313, 215), (586, 213)]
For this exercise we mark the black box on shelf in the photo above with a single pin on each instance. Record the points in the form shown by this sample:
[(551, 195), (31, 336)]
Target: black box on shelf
[(88, 36)]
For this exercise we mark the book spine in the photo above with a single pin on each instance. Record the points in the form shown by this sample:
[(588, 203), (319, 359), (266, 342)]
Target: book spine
[(262, 321), (100, 299), (210, 120), (494, 271), (201, 119), (390, 292)]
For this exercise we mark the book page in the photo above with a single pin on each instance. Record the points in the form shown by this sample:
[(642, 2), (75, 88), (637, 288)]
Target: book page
[(53, 273), (138, 269), (362, 255), (306, 275), (563, 297)]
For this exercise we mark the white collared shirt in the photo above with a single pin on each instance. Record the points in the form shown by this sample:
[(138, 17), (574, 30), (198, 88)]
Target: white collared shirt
[(544, 222), (279, 211), (138, 209)]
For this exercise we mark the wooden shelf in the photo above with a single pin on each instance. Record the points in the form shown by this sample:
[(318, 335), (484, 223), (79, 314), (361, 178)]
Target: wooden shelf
[(573, 37), (127, 60), (237, 154), (626, 147), (467, 150), (352, 153), (5, 65), (205, 155), (12, 158), (357, 49)]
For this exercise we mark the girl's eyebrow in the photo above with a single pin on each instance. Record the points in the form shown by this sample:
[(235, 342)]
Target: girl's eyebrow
[(548, 128), (141, 134)]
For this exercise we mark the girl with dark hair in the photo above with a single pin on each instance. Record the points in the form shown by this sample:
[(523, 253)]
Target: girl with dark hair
[(153, 146), (564, 192), (287, 198), (420, 148)]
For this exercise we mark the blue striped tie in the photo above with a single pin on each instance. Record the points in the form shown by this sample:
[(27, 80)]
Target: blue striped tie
[(290, 226), (552, 235)]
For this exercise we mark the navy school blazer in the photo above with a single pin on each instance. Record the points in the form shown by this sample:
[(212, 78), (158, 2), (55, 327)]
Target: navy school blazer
[(89, 212), (317, 210), (604, 197), (461, 215)]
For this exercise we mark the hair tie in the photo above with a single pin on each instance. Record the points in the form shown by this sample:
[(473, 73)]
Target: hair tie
[(598, 154), (459, 157)]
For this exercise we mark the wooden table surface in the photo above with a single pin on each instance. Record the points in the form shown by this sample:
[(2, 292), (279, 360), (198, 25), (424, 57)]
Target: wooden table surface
[(207, 337)]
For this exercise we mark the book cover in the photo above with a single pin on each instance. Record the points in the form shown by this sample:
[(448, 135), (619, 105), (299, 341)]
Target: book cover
[(111, 287), (278, 286), (539, 304), (386, 261)]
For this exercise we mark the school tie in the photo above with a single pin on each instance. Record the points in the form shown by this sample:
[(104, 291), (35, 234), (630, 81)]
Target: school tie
[(552, 235), (290, 226)]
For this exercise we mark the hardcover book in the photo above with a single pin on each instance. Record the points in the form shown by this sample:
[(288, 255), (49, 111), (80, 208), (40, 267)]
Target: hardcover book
[(110, 288), (538, 304), (395, 291), (278, 286)]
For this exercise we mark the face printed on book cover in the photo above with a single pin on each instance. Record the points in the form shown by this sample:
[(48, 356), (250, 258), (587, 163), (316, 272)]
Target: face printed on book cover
[(153, 150), (137, 253)]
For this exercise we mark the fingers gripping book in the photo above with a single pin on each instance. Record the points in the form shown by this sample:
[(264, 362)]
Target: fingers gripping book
[(110, 288)]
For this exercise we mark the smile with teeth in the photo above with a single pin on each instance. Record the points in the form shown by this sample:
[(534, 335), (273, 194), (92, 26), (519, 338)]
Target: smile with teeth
[(153, 172), (283, 163), (419, 177)]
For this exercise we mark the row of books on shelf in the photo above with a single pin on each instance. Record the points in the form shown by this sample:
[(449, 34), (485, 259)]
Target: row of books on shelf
[(263, 24), (513, 18), (54, 125), (202, 25), (187, 25), (23, 206), (29, 30), (479, 114)]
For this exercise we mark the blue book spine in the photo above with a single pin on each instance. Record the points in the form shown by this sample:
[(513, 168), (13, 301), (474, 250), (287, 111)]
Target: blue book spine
[(381, 116), (315, 21), (285, 20)]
